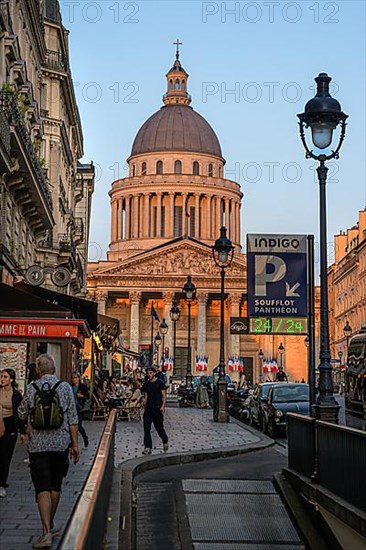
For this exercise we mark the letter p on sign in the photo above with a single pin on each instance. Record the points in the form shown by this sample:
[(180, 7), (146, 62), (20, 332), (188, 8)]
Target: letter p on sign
[(262, 277)]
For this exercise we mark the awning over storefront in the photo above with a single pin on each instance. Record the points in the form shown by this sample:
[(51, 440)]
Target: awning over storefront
[(82, 309), (128, 352), (15, 301)]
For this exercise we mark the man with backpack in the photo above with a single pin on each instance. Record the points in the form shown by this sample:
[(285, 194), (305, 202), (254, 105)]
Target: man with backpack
[(49, 406)]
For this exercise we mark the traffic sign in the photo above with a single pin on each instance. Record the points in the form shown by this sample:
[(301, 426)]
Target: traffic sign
[(277, 275)]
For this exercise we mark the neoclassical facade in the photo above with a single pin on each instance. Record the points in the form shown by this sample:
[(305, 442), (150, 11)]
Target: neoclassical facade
[(165, 217)]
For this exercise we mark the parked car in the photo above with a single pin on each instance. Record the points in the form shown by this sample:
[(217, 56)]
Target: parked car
[(260, 394), (283, 398)]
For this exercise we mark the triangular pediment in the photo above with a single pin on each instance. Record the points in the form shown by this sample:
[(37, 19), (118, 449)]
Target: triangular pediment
[(186, 257)]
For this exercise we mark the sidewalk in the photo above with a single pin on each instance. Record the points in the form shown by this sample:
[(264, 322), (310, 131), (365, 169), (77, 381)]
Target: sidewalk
[(19, 520), (193, 437), (189, 430)]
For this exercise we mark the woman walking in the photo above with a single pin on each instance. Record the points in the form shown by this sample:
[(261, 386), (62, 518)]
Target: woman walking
[(10, 399)]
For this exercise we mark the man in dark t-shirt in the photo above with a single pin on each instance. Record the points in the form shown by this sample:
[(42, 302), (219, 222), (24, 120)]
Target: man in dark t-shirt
[(155, 391), (281, 376)]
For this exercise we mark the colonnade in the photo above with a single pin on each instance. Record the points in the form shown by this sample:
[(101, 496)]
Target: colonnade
[(149, 215), (200, 337)]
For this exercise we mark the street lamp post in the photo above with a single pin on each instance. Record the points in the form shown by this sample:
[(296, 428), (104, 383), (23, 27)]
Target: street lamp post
[(163, 329), (189, 290), (281, 351), (323, 114), (157, 341), (347, 331), (174, 315), (341, 374), (223, 252)]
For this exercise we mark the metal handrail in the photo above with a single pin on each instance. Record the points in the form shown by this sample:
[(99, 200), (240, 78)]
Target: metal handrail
[(4, 131), (89, 513)]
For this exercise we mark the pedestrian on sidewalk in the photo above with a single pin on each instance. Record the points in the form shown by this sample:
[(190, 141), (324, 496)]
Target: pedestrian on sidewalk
[(10, 424), (281, 376), (81, 395), (155, 391), (53, 434)]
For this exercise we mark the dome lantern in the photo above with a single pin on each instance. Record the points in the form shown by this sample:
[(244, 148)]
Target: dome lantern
[(176, 80)]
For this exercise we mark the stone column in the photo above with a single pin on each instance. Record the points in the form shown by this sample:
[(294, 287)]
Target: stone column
[(238, 222), (135, 298), (146, 216), (120, 219), (202, 298), (184, 217), (128, 217), (158, 214), (234, 339), (197, 216), (114, 221), (227, 217), (102, 299), (208, 217), (117, 220), (141, 215), (171, 214), (233, 220), (135, 216), (218, 218)]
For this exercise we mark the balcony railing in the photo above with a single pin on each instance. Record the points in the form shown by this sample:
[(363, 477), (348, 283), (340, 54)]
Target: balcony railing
[(9, 108), (66, 243), (56, 60), (4, 131)]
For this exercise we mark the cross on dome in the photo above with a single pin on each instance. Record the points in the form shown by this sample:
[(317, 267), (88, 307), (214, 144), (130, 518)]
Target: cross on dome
[(177, 43)]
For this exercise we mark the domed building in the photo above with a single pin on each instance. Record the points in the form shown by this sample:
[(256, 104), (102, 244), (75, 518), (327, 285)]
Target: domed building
[(166, 215)]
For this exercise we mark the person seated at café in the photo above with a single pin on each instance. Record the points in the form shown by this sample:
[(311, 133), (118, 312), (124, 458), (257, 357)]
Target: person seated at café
[(102, 390), (129, 389), (136, 394), (114, 397)]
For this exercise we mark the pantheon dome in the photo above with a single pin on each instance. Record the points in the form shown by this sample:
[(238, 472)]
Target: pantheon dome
[(176, 127)]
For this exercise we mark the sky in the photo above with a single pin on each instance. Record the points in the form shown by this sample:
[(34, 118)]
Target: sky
[(252, 67)]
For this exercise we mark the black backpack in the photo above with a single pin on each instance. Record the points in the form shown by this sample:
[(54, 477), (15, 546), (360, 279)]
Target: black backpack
[(47, 413)]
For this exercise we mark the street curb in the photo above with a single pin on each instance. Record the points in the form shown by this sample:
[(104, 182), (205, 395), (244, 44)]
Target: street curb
[(131, 468)]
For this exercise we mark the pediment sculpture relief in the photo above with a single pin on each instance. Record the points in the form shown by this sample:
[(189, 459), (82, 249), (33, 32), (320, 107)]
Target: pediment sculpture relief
[(177, 262)]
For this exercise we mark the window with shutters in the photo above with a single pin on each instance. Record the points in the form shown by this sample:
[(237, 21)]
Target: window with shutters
[(159, 167), (196, 168), (177, 167)]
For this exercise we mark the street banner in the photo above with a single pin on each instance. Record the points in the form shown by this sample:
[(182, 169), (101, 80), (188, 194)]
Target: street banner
[(277, 275)]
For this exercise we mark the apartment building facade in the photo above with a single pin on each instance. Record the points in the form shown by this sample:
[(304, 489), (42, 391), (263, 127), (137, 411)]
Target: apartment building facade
[(45, 191)]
